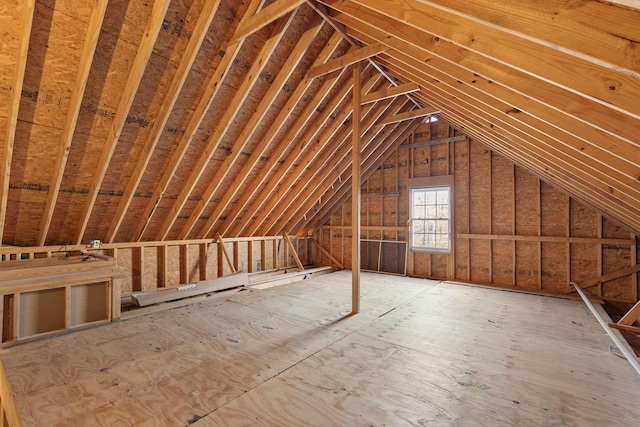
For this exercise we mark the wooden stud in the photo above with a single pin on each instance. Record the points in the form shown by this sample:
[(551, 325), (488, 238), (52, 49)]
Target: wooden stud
[(202, 260), (28, 7), (236, 254), (137, 268), (184, 264), (263, 255), (128, 95), (162, 266), (275, 253), (77, 93)]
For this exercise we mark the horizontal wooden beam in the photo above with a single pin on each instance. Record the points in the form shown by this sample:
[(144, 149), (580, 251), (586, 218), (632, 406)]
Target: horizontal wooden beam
[(420, 112), (387, 93), (263, 18), (348, 59), (557, 239), (434, 142)]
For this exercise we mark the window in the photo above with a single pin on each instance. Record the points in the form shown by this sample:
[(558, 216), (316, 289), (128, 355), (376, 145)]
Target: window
[(430, 222)]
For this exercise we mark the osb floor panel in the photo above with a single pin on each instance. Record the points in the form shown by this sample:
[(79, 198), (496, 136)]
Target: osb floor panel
[(420, 353)]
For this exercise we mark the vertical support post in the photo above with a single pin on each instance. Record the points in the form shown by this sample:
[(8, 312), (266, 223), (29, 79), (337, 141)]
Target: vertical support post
[(250, 256), (162, 266), (202, 261), (355, 192), (263, 255), (184, 263), (274, 242), (137, 261), (236, 255)]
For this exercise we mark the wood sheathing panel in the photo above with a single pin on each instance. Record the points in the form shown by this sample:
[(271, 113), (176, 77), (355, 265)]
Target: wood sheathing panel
[(511, 228)]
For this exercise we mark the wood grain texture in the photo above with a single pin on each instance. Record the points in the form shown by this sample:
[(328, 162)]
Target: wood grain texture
[(287, 356)]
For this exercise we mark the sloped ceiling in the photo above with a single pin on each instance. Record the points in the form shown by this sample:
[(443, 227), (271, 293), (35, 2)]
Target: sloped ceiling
[(138, 120)]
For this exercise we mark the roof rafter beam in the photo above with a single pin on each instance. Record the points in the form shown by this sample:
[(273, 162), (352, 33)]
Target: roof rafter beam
[(223, 125), (317, 180), (289, 138), (342, 189), (262, 146), (261, 110), (413, 114), (86, 59), (387, 93), (347, 59), (210, 92), (272, 200), (124, 105), (28, 8), (197, 37), (275, 10)]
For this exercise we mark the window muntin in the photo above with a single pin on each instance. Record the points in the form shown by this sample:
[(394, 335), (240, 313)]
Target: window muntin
[(430, 223)]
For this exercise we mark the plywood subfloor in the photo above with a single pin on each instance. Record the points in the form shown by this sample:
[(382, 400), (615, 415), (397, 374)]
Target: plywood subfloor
[(420, 353)]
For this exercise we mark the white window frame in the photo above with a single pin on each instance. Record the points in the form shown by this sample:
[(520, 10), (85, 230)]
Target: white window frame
[(429, 185)]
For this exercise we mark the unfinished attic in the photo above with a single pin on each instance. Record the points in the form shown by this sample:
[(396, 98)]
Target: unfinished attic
[(319, 213)]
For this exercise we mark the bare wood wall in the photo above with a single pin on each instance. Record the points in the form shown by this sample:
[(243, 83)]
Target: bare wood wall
[(511, 229)]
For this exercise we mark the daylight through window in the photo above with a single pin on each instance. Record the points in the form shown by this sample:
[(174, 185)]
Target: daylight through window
[(430, 218)]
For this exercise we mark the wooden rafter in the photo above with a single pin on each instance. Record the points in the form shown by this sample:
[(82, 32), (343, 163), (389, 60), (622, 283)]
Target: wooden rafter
[(548, 102), (256, 118), (392, 92), (154, 24), (223, 125), (316, 186), (273, 194), (197, 37), (420, 112), (326, 170), (86, 59), (210, 92), (28, 8), (269, 14), (289, 138), (566, 118), (261, 147), (521, 53), (347, 59)]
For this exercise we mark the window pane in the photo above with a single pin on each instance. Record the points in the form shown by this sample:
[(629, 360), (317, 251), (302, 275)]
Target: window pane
[(431, 198), (443, 211), (443, 227), (443, 197), (431, 212)]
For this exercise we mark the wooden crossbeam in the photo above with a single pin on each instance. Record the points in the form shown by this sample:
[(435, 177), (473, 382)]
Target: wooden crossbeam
[(252, 125), (275, 10), (328, 254), (223, 125), (433, 142), (347, 59), (180, 77), (294, 252), (420, 112), (387, 93), (225, 253), (611, 276), (209, 94), (28, 8), (122, 111), (86, 59)]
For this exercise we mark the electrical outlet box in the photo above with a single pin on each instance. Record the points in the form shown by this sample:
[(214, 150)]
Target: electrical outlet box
[(95, 244)]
